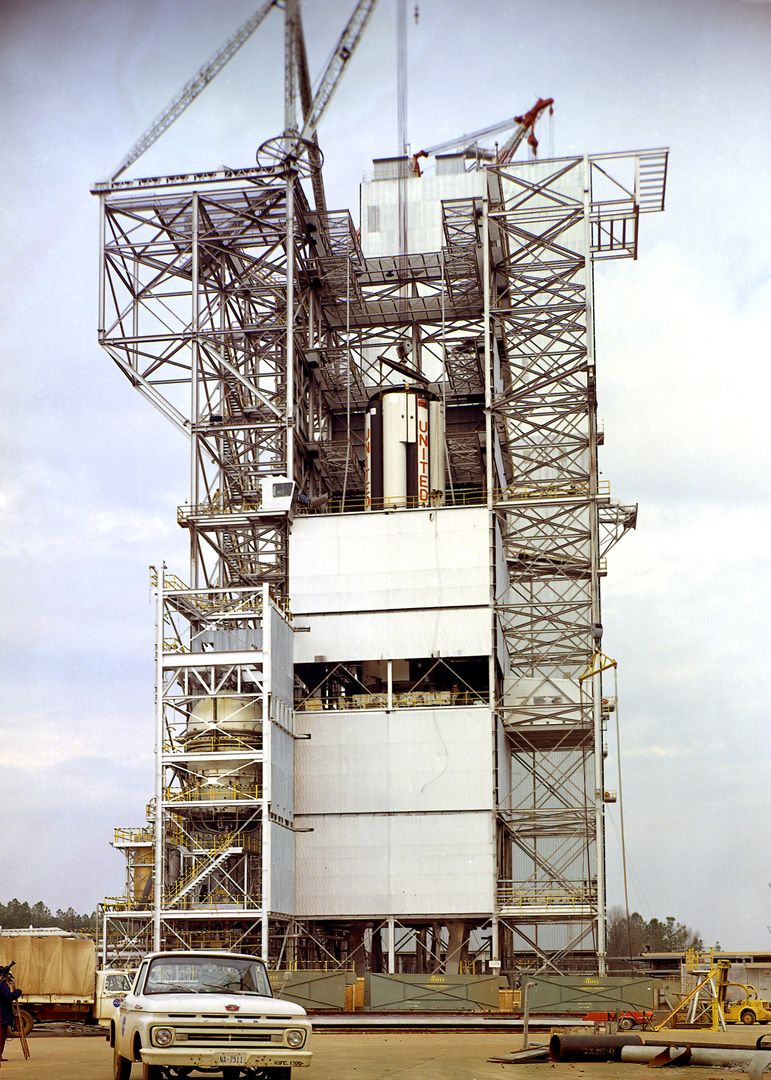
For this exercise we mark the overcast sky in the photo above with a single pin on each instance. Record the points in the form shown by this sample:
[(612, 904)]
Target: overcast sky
[(92, 474)]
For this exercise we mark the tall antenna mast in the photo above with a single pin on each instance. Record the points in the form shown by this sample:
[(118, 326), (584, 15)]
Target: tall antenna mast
[(401, 108)]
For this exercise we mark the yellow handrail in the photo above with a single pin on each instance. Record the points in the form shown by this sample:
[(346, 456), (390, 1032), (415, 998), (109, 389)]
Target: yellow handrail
[(212, 793), (199, 867)]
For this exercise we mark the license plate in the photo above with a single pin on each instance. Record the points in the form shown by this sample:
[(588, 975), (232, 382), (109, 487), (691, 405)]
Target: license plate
[(230, 1059)]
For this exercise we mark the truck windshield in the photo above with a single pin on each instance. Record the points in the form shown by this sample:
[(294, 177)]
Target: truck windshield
[(207, 975)]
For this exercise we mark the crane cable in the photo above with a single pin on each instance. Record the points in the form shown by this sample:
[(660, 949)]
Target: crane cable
[(621, 817), (401, 108)]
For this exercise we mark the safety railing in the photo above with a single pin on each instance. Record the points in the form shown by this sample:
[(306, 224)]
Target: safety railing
[(212, 793), (133, 836), (510, 895), (551, 490), (411, 699), (119, 903), (358, 503), (199, 868), (222, 743), (219, 903)]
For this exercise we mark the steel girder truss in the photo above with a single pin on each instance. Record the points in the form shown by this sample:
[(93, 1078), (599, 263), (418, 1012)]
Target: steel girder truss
[(194, 312), (216, 712), (546, 224), (195, 309)]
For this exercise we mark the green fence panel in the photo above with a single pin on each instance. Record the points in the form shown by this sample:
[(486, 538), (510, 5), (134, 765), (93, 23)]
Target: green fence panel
[(589, 993), (311, 989), (431, 993)]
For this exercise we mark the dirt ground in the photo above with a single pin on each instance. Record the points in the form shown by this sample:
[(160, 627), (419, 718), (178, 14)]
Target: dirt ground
[(442, 1056)]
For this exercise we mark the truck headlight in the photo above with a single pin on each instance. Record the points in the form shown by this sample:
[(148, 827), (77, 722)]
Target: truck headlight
[(295, 1038), (163, 1036)]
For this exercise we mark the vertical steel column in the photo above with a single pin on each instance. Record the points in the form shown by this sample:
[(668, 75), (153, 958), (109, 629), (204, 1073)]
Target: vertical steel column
[(489, 480), (159, 822), (102, 269), (290, 262), (265, 794), (194, 373), (594, 554), (290, 134)]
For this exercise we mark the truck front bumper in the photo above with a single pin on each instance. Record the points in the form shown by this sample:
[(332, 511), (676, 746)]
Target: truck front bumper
[(217, 1057)]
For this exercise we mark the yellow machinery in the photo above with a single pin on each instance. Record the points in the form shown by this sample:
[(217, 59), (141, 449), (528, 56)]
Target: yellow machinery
[(707, 1005)]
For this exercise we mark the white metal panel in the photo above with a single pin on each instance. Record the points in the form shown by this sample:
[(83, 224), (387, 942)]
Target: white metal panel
[(426, 759), (282, 768), (395, 447), (424, 211), (281, 658), (396, 865), (389, 561), (395, 635), (503, 770), (282, 884)]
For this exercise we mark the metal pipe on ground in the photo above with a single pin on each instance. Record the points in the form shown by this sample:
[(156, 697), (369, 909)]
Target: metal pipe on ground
[(698, 1055), (578, 1047)]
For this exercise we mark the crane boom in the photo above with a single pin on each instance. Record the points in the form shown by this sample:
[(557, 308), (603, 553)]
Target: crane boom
[(525, 126), (344, 49), (193, 88), (306, 101), (522, 126), (470, 138)]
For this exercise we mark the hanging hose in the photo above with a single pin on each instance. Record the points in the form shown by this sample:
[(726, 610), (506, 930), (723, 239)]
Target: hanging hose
[(621, 818)]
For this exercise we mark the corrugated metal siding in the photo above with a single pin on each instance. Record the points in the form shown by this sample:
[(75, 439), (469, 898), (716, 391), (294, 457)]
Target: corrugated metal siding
[(282, 773), (282, 869), (407, 584), (380, 562), (395, 635), (402, 865), (282, 658), (377, 762), (424, 210)]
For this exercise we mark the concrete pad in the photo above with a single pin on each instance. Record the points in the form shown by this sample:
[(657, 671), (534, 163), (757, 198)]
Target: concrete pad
[(411, 1056)]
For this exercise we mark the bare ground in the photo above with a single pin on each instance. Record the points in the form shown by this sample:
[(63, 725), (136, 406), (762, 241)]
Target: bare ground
[(441, 1056)]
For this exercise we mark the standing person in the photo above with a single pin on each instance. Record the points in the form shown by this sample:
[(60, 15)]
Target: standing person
[(8, 994)]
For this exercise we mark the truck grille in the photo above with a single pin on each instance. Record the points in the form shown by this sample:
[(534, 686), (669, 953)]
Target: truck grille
[(230, 1036)]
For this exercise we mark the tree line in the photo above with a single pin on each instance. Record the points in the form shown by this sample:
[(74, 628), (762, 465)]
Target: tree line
[(636, 935), (20, 915), (625, 938)]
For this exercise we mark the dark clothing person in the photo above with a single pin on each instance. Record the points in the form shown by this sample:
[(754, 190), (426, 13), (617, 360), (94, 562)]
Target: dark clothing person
[(7, 997)]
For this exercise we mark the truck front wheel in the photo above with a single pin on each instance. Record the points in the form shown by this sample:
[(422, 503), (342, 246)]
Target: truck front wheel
[(747, 1016), (121, 1067), (626, 1023), (27, 1023)]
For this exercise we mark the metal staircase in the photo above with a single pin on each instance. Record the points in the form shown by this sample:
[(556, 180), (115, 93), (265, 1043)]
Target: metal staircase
[(201, 869)]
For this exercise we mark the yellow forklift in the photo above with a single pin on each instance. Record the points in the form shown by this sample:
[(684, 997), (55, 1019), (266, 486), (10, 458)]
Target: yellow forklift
[(707, 1005)]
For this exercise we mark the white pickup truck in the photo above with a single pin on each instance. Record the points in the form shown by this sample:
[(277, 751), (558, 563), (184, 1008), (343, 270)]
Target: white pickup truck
[(212, 1011)]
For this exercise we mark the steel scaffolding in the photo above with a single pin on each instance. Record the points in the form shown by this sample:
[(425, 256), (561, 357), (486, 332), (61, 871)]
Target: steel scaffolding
[(258, 327)]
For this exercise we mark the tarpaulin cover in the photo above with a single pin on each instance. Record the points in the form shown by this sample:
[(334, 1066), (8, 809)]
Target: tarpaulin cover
[(51, 965)]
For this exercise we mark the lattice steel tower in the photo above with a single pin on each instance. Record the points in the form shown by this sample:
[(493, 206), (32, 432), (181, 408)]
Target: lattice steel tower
[(380, 716)]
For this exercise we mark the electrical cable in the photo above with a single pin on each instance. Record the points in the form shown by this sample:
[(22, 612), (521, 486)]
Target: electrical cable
[(621, 816), (347, 377)]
